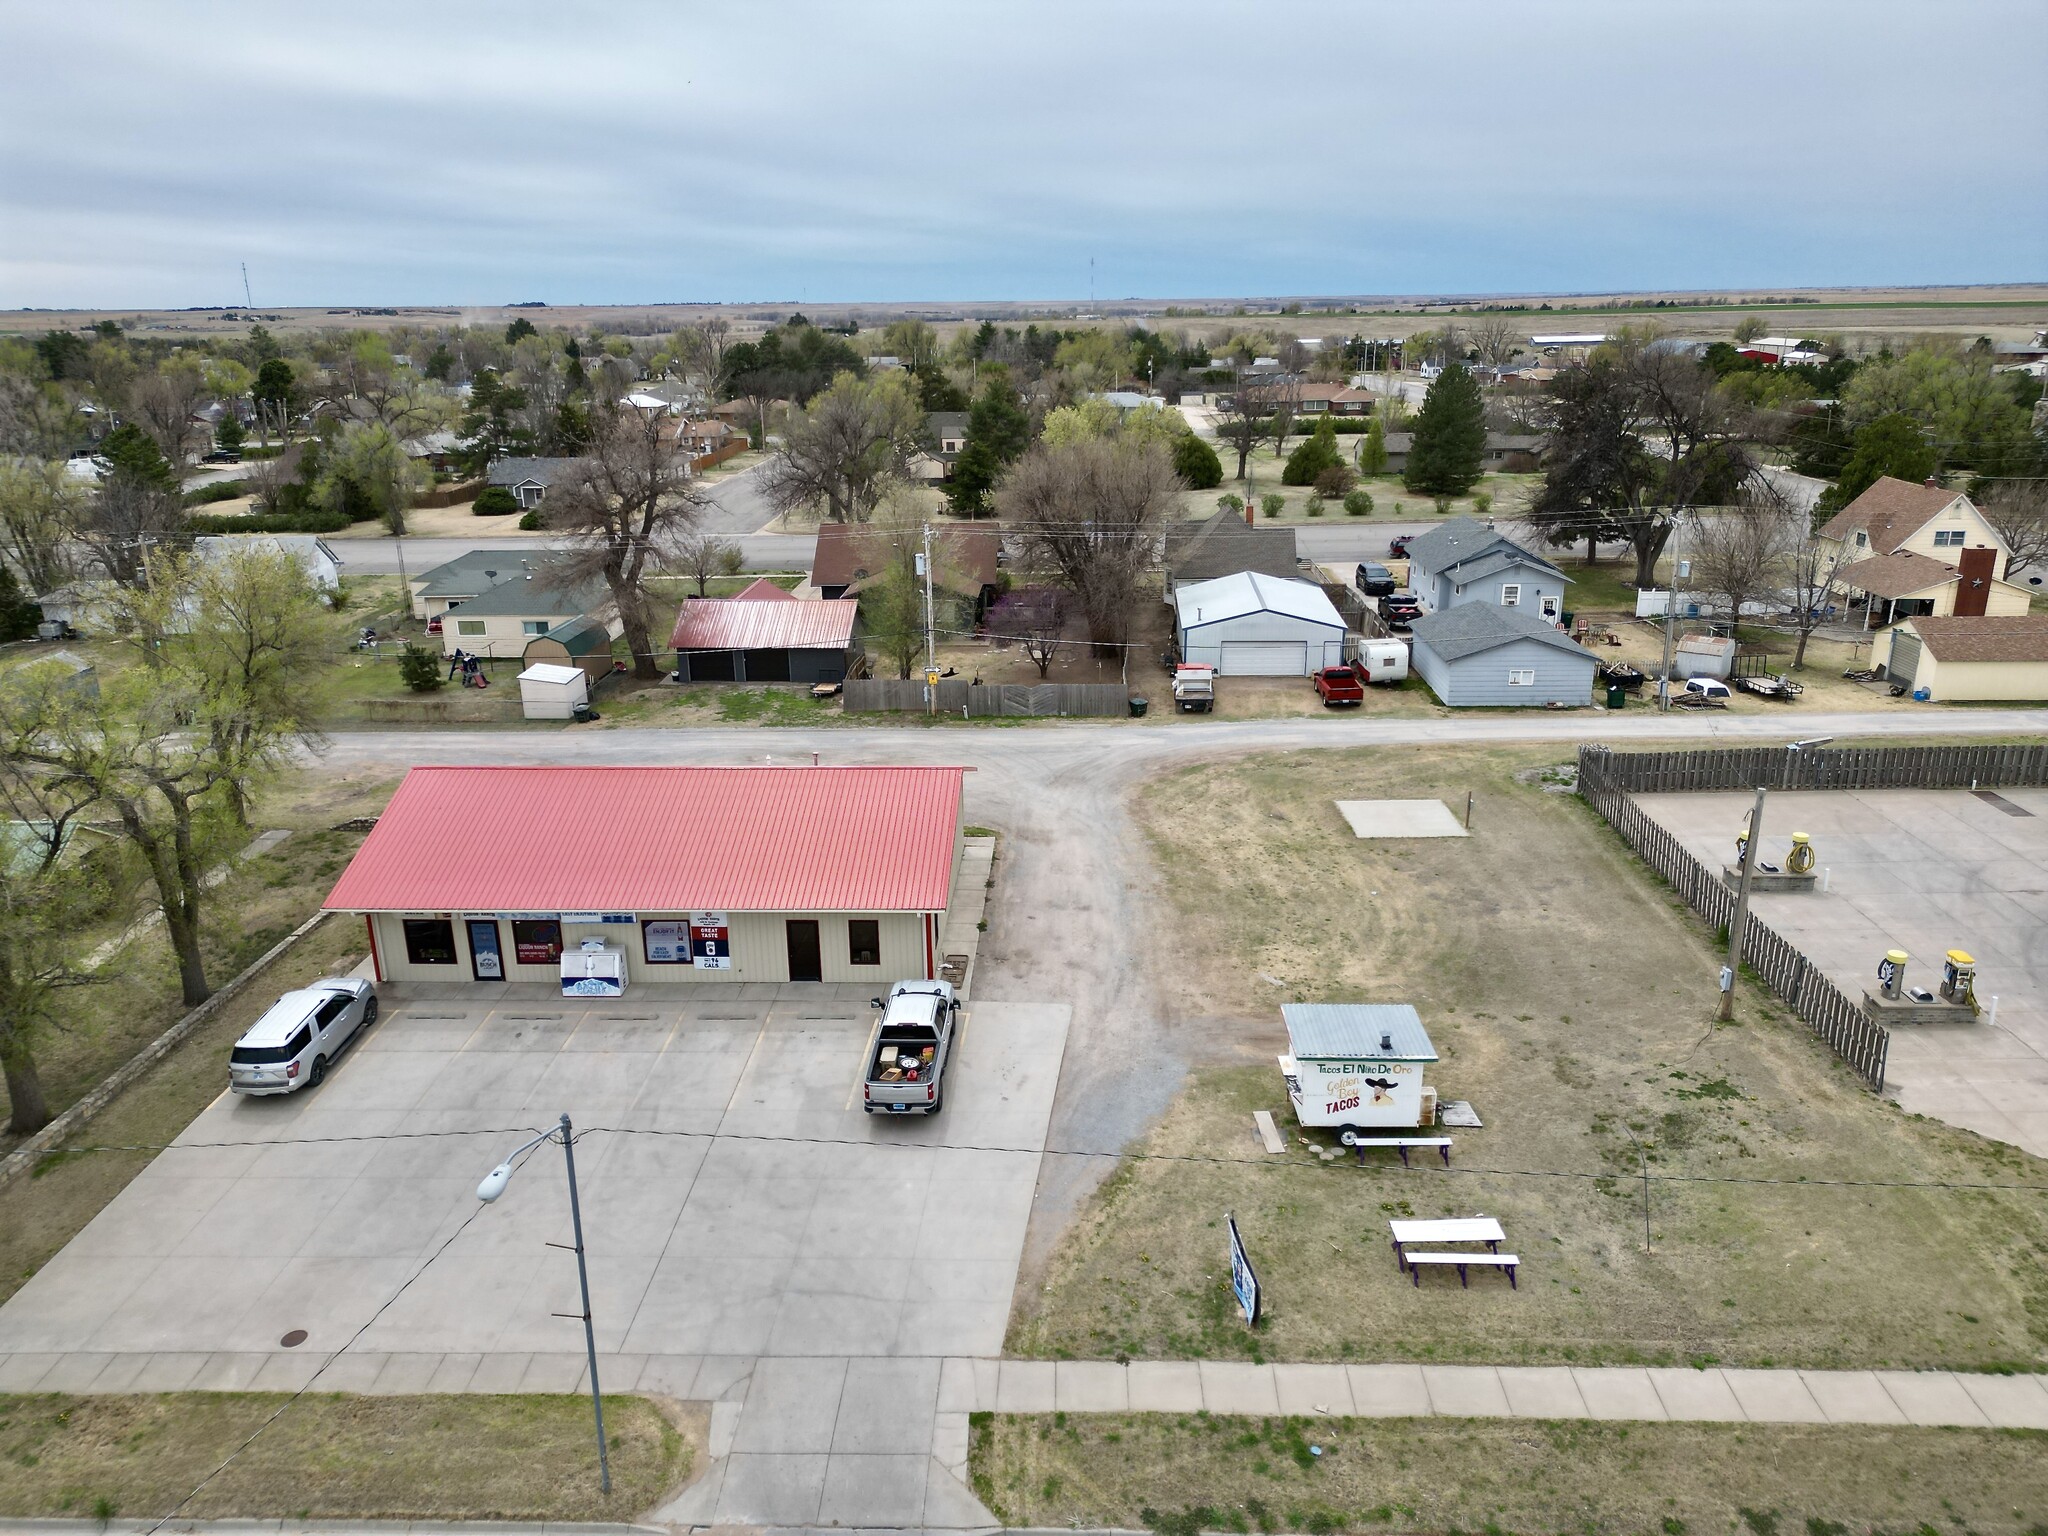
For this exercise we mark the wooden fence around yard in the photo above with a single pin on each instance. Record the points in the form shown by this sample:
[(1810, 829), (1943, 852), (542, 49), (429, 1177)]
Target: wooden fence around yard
[(1753, 768), (1027, 700)]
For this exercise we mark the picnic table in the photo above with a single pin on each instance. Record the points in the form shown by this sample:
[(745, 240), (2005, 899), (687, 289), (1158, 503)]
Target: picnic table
[(1455, 1229)]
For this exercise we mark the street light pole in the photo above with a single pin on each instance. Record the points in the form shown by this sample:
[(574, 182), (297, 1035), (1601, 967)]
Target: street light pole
[(1741, 918), (488, 1191)]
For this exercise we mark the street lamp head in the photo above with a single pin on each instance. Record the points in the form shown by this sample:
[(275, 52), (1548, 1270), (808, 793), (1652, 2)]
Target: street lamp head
[(494, 1183)]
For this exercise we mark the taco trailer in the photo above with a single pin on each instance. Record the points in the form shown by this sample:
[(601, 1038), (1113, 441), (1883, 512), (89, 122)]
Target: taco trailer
[(1357, 1064)]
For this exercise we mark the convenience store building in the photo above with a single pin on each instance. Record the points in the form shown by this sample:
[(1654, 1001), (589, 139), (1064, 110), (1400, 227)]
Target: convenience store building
[(632, 876)]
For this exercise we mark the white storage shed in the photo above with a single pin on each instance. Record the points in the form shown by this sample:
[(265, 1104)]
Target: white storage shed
[(551, 692), (1255, 625)]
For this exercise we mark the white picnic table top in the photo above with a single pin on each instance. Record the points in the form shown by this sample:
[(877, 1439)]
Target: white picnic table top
[(1455, 1229)]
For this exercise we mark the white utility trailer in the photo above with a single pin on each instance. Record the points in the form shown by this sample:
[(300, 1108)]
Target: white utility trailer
[(1358, 1065)]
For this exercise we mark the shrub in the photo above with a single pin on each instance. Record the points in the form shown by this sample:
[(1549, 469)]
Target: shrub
[(1318, 452), (1314, 505), (1272, 503), (1230, 501), (1483, 503), (420, 669), (531, 522), (1443, 504), (220, 490), (1336, 480), (270, 522), (495, 501), (1196, 463), (1358, 504)]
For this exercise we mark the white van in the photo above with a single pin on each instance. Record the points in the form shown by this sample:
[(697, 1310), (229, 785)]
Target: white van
[(291, 1046)]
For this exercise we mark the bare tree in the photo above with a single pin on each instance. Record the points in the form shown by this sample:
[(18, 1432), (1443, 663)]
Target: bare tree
[(129, 517), (1093, 513), (2017, 511), (267, 478), (41, 508), (701, 556), (46, 900), (1741, 554), (164, 402), (35, 419), (702, 346), (1496, 339), (626, 506), (844, 447), (1241, 425), (1282, 397), (1035, 618)]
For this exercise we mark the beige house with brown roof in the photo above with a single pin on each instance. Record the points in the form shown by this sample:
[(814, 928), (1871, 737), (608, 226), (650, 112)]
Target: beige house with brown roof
[(1910, 550), (1956, 659)]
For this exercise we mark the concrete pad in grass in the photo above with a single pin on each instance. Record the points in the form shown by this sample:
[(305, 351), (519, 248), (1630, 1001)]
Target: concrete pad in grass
[(1401, 818)]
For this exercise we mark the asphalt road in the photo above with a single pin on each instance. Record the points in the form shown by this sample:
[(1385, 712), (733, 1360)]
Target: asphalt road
[(1075, 882)]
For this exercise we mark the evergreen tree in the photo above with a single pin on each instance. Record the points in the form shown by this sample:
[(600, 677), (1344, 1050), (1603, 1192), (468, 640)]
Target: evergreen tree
[(1196, 463), (1449, 448), (133, 457), (1372, 457), (518, 331), (1318, 452), (19, 614), (998, 432)]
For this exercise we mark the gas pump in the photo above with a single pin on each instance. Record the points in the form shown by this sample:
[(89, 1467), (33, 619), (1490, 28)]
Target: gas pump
[(1959, 978)]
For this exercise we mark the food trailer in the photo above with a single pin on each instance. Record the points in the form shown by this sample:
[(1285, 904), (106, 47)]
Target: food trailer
[(1357, 1065)]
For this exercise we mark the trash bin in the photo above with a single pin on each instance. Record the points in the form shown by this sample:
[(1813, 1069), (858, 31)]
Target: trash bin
[(1139, 706), (1617, 696), (580, 711)]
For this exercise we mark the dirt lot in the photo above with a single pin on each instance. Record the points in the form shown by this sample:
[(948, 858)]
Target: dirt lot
[(1179, 1474), (1571, 1000), (334, 1457)]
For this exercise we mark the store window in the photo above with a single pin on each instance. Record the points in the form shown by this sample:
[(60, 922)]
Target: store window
[(430, 941), (863, 941), (536, 941)]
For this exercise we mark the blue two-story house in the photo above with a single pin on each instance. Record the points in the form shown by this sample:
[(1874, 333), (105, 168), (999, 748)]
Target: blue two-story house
[(1464, 561)]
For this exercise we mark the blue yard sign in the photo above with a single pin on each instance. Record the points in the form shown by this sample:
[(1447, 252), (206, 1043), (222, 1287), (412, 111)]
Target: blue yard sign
[(1243, 1282)]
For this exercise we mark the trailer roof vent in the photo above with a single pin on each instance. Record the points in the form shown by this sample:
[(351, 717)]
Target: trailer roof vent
[(1386, 1040)]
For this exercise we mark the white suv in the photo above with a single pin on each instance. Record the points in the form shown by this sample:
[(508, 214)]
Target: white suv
[(291, 1045)]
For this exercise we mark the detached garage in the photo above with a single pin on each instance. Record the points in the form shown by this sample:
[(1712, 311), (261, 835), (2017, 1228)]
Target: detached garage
[(1255, 625), (762, 639), (658, 876), (1481, 654), (1957, 659)]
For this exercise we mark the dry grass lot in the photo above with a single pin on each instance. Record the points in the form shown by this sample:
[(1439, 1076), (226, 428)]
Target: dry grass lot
[(335, 1457), (1572, 1001), (1180, 1474)]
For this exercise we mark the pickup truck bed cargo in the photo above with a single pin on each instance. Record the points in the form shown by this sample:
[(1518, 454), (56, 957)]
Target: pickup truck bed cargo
[(909, 1049)]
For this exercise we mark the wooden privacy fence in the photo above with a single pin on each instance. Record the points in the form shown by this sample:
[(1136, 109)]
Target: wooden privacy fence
[(1030, 700), (1752, 768), (1819, 1003)]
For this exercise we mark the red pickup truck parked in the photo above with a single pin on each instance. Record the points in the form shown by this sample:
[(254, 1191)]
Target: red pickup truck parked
[(1340, 686)]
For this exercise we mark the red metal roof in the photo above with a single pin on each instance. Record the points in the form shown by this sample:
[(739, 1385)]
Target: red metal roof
[(762, 590), (741, 624), (504, 839)]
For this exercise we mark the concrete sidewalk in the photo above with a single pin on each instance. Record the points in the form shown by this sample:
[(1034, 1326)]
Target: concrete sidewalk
[(882, 1441)]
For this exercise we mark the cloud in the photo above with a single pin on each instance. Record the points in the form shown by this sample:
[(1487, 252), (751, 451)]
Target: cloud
[(385, 153)]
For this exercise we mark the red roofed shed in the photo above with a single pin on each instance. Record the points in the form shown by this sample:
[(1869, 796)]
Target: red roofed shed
[(737, 874), (753, 639)]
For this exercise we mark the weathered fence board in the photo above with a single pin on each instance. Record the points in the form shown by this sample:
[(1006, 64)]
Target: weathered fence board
[(954, 694), (1743, 768), (1818, 1002)]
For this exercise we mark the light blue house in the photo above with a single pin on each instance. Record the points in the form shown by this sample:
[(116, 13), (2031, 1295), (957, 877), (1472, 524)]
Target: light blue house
[(1464, 561), (1483, 654)]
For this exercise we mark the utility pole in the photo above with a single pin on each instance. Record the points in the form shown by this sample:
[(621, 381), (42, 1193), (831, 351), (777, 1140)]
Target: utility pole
[(247, 302), (1741, 918), (931, 655), (1678, 567)]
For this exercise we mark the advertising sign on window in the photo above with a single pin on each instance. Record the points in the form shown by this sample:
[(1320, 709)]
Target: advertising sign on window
[(536, 941), (710, 941), (666, 943)]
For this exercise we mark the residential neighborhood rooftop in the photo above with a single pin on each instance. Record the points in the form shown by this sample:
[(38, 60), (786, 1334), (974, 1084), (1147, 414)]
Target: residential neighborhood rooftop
[(742, 624), (1474, 627), (2013, 637)]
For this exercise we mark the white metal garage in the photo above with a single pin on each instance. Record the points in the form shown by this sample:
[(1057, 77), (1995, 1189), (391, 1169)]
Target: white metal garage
[(1254, 625)]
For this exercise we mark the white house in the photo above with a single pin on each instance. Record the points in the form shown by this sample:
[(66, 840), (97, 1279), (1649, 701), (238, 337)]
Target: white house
[(323, 565), (1255, 625)]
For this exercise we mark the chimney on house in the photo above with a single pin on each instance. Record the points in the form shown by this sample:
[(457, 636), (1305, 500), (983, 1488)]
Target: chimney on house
[(1933, 484)]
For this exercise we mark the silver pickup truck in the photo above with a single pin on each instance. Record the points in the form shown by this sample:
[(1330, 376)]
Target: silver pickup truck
[(909, 1048)]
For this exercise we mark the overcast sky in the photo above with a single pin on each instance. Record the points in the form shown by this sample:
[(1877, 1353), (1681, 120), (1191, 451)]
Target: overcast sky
[(639, 151)]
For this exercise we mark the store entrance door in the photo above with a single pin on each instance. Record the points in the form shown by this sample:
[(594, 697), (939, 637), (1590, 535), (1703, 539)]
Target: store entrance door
[(806, 961), (486, 957)]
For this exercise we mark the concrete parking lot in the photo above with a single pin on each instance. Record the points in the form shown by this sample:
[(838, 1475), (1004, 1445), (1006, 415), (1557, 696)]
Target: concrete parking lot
[(1925, 871), (736, 1199)]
